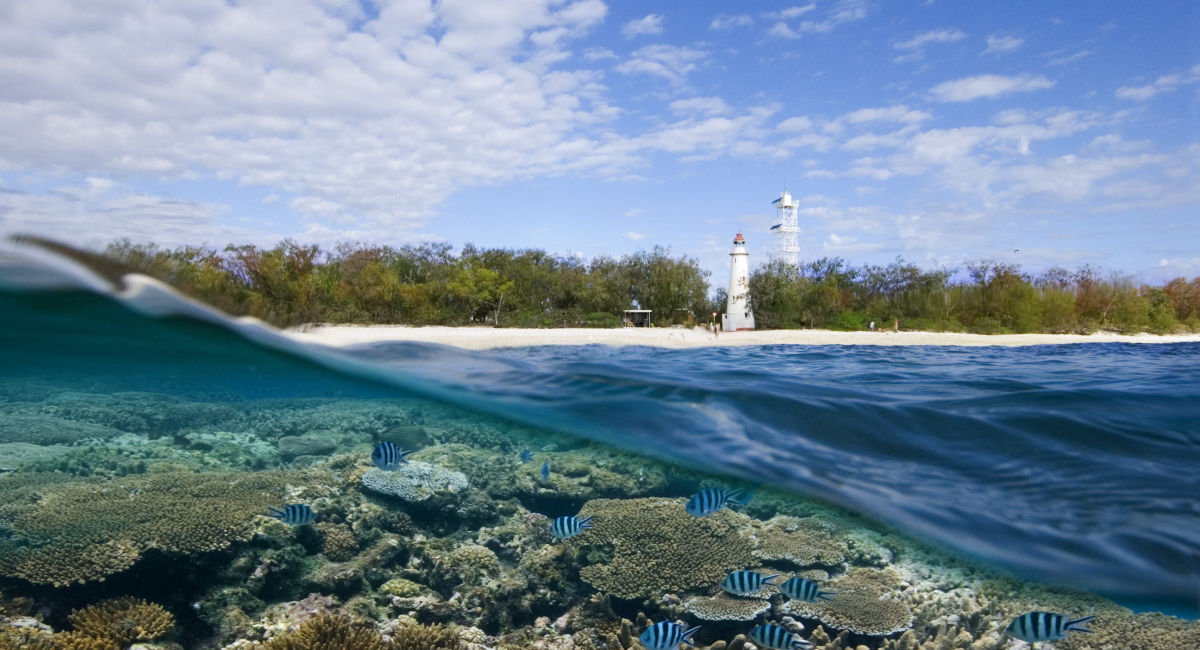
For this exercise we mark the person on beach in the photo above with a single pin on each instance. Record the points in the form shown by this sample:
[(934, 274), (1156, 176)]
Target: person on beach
[(896, 325), (872, 326)]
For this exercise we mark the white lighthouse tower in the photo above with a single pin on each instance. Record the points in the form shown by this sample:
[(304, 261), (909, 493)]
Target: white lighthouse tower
[(788, 229), (737, 314)]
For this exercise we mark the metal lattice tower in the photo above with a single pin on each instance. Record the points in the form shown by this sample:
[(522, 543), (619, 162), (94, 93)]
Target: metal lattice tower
[(787, 231)]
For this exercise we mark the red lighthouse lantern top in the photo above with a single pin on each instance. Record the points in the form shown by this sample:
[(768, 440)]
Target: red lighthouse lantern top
[(739, 239)]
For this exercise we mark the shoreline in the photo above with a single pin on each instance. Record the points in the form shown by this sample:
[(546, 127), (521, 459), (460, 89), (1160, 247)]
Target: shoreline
[(484, 338)]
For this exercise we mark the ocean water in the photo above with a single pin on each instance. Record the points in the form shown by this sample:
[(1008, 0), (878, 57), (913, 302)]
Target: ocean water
[(1072, 465)]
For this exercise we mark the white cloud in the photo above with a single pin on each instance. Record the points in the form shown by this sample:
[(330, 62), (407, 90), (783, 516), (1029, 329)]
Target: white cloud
[(700, 106), (723, 21), (895, 113), (649, 25), (667, 61), (100, 210), (365, 124), (795, 11), (793, 124), (935, 36), (987, 85), (1003, 44), (634, 236), (1165, 83), (837, 14)]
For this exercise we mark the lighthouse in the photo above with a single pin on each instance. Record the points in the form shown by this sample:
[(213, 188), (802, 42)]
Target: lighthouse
[(737, 314)]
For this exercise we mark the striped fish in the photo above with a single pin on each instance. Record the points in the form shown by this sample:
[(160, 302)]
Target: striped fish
[(804, 590), (710, 499), (565, 527), (666, 636), (389, 456), (774, 636), (1045, 626), (296, 514), (741, 583)]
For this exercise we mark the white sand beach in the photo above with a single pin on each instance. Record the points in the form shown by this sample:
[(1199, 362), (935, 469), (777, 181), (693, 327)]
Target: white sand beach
[(482, 338)]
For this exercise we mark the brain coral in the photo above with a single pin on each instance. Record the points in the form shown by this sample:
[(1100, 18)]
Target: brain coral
[(657, 546), (84, 530), (724, 608), (123, 620), (859, 605), (414, 481)]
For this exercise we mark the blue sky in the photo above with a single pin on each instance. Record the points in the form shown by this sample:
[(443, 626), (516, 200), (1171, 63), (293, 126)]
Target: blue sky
[(938, 131)]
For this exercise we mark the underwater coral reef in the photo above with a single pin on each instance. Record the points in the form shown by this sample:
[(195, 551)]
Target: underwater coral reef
[(140, 520)]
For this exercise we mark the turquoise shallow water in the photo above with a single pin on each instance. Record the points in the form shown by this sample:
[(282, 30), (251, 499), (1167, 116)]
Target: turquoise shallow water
[(1073, 465)]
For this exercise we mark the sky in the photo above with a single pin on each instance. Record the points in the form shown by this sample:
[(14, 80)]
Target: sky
[(939, 131)]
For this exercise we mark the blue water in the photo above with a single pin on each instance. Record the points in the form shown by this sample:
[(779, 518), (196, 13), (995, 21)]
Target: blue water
[(1072, 464)]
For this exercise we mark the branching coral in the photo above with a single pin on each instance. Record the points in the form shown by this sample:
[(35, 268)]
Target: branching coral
[(80, 641), (329, 631), (657, 547), (123, 620), (24, 638), (85, 530), (336, 631)]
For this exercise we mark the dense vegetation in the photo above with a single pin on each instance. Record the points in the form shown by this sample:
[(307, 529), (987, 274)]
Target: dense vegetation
[(428, 284)]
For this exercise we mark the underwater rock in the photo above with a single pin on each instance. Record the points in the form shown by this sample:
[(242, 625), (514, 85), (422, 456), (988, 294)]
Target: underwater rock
[(414, 481), (657, 547), (725, 608), (50, 430), (309, 444)]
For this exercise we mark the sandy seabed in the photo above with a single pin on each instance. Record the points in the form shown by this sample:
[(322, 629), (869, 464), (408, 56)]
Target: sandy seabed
[(482, 338)]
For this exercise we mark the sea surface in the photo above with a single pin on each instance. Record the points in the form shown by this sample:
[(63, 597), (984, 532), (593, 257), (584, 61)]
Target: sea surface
[(1076, 465)]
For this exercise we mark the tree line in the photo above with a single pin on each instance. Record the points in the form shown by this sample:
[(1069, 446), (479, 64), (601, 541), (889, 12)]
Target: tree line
[(985, 297), (431, 284)]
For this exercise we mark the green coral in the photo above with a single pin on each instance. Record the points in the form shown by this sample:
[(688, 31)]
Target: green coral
[(80, 531), (657, 547), (401, 588), (473, 563), (337, 541)]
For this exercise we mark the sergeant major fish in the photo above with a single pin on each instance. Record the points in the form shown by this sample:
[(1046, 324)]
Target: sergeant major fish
[(296, 514), (710, 499), (545, 471), (665, 635), (804, 590), (526, 456), (565, 527), (1045, 626), (777, 637), (388, 456), (741, 583)]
